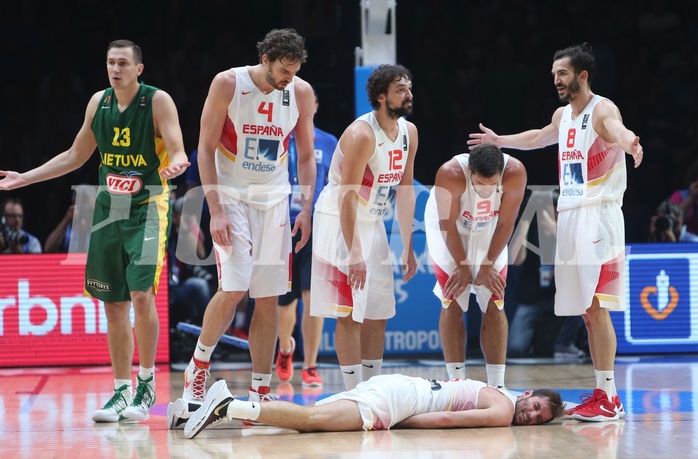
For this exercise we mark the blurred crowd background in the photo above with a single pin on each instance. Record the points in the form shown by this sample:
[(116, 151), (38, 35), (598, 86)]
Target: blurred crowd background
[(472, 62)]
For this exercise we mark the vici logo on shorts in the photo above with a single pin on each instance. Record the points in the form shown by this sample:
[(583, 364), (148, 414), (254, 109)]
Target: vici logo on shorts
[(129, 183)]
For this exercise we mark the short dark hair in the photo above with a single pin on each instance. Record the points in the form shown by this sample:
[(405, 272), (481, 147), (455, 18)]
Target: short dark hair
[(486, 160), (10, 200), (581, 58), (380, 79), (557, 406), (283, 44), (137, 53)]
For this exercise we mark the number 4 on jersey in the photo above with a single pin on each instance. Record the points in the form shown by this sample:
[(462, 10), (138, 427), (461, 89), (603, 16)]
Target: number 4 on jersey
[(266, 108)]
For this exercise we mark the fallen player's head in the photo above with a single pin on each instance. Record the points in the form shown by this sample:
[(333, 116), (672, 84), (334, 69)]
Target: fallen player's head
[(538, 407)]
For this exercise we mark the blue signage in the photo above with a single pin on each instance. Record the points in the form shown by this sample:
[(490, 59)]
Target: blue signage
[(661, 312)]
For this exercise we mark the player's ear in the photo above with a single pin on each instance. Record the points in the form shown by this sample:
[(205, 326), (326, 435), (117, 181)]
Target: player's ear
[(584, 75), (528, 393)]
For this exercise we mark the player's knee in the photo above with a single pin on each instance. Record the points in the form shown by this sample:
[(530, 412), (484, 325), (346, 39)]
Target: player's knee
[(142, 300)]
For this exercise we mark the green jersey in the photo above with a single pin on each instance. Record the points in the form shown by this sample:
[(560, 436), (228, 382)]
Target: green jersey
[(131, 154)]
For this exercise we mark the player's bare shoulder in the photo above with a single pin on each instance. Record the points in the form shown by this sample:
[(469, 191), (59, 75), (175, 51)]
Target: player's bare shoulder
[(450, 174), (514, 167), (500, 407), (305, 97), (302, 87), (358, 136), (605, 111), (161, 99), (606, 108), (224, 84), (412, 131), (557, 117), (93, 104), (514, 179)]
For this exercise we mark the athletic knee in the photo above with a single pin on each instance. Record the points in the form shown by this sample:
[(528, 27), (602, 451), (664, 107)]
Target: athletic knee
[(453, 311), (231, 299)]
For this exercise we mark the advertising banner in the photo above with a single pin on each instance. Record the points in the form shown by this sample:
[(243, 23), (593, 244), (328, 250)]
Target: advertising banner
[(45, 319)]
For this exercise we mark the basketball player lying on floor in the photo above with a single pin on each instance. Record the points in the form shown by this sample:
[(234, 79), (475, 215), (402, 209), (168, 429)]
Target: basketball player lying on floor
[(386, 401)]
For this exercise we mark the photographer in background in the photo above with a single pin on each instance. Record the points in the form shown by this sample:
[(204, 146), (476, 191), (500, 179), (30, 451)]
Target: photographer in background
[(13, 239), (667, 225)]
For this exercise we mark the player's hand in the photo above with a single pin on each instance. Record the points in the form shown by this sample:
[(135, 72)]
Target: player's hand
[(409, 266), (486, 136), (11, 180), (460, 279), (303, 225), (637, 152), (174, 170), (222, 231), (492, 279), (356, 274)]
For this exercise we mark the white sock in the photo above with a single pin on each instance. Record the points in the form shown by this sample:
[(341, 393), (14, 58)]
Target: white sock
[(203, 353), (370, 368), (121, 382), (495, 375), (238, 409), (260, 380), (145, 373), (456, 370), (352, 375), (606, 380)]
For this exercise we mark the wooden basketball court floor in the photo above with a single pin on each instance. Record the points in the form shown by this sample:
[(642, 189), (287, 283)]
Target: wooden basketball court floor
[(46, 413)]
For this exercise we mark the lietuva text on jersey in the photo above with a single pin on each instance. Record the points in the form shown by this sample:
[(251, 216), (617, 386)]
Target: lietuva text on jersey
[(118, 160)]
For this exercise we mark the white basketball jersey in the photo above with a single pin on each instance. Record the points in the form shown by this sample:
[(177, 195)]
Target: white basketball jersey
[(460, 394), (476, 213), (251, 158), (591, 170), (383, 173)]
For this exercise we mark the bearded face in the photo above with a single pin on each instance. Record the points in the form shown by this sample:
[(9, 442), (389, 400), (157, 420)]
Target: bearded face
[(280, 73), (398, 100), (400, 109), (569, 91)]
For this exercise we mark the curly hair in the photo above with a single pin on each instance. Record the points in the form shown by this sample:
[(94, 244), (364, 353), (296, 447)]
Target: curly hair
[(283, 44), (380, 79)]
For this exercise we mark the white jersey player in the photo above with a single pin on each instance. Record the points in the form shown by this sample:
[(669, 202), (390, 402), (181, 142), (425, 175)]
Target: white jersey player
[(352, 277), (246, 123), (469, 219), (590, 267)]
